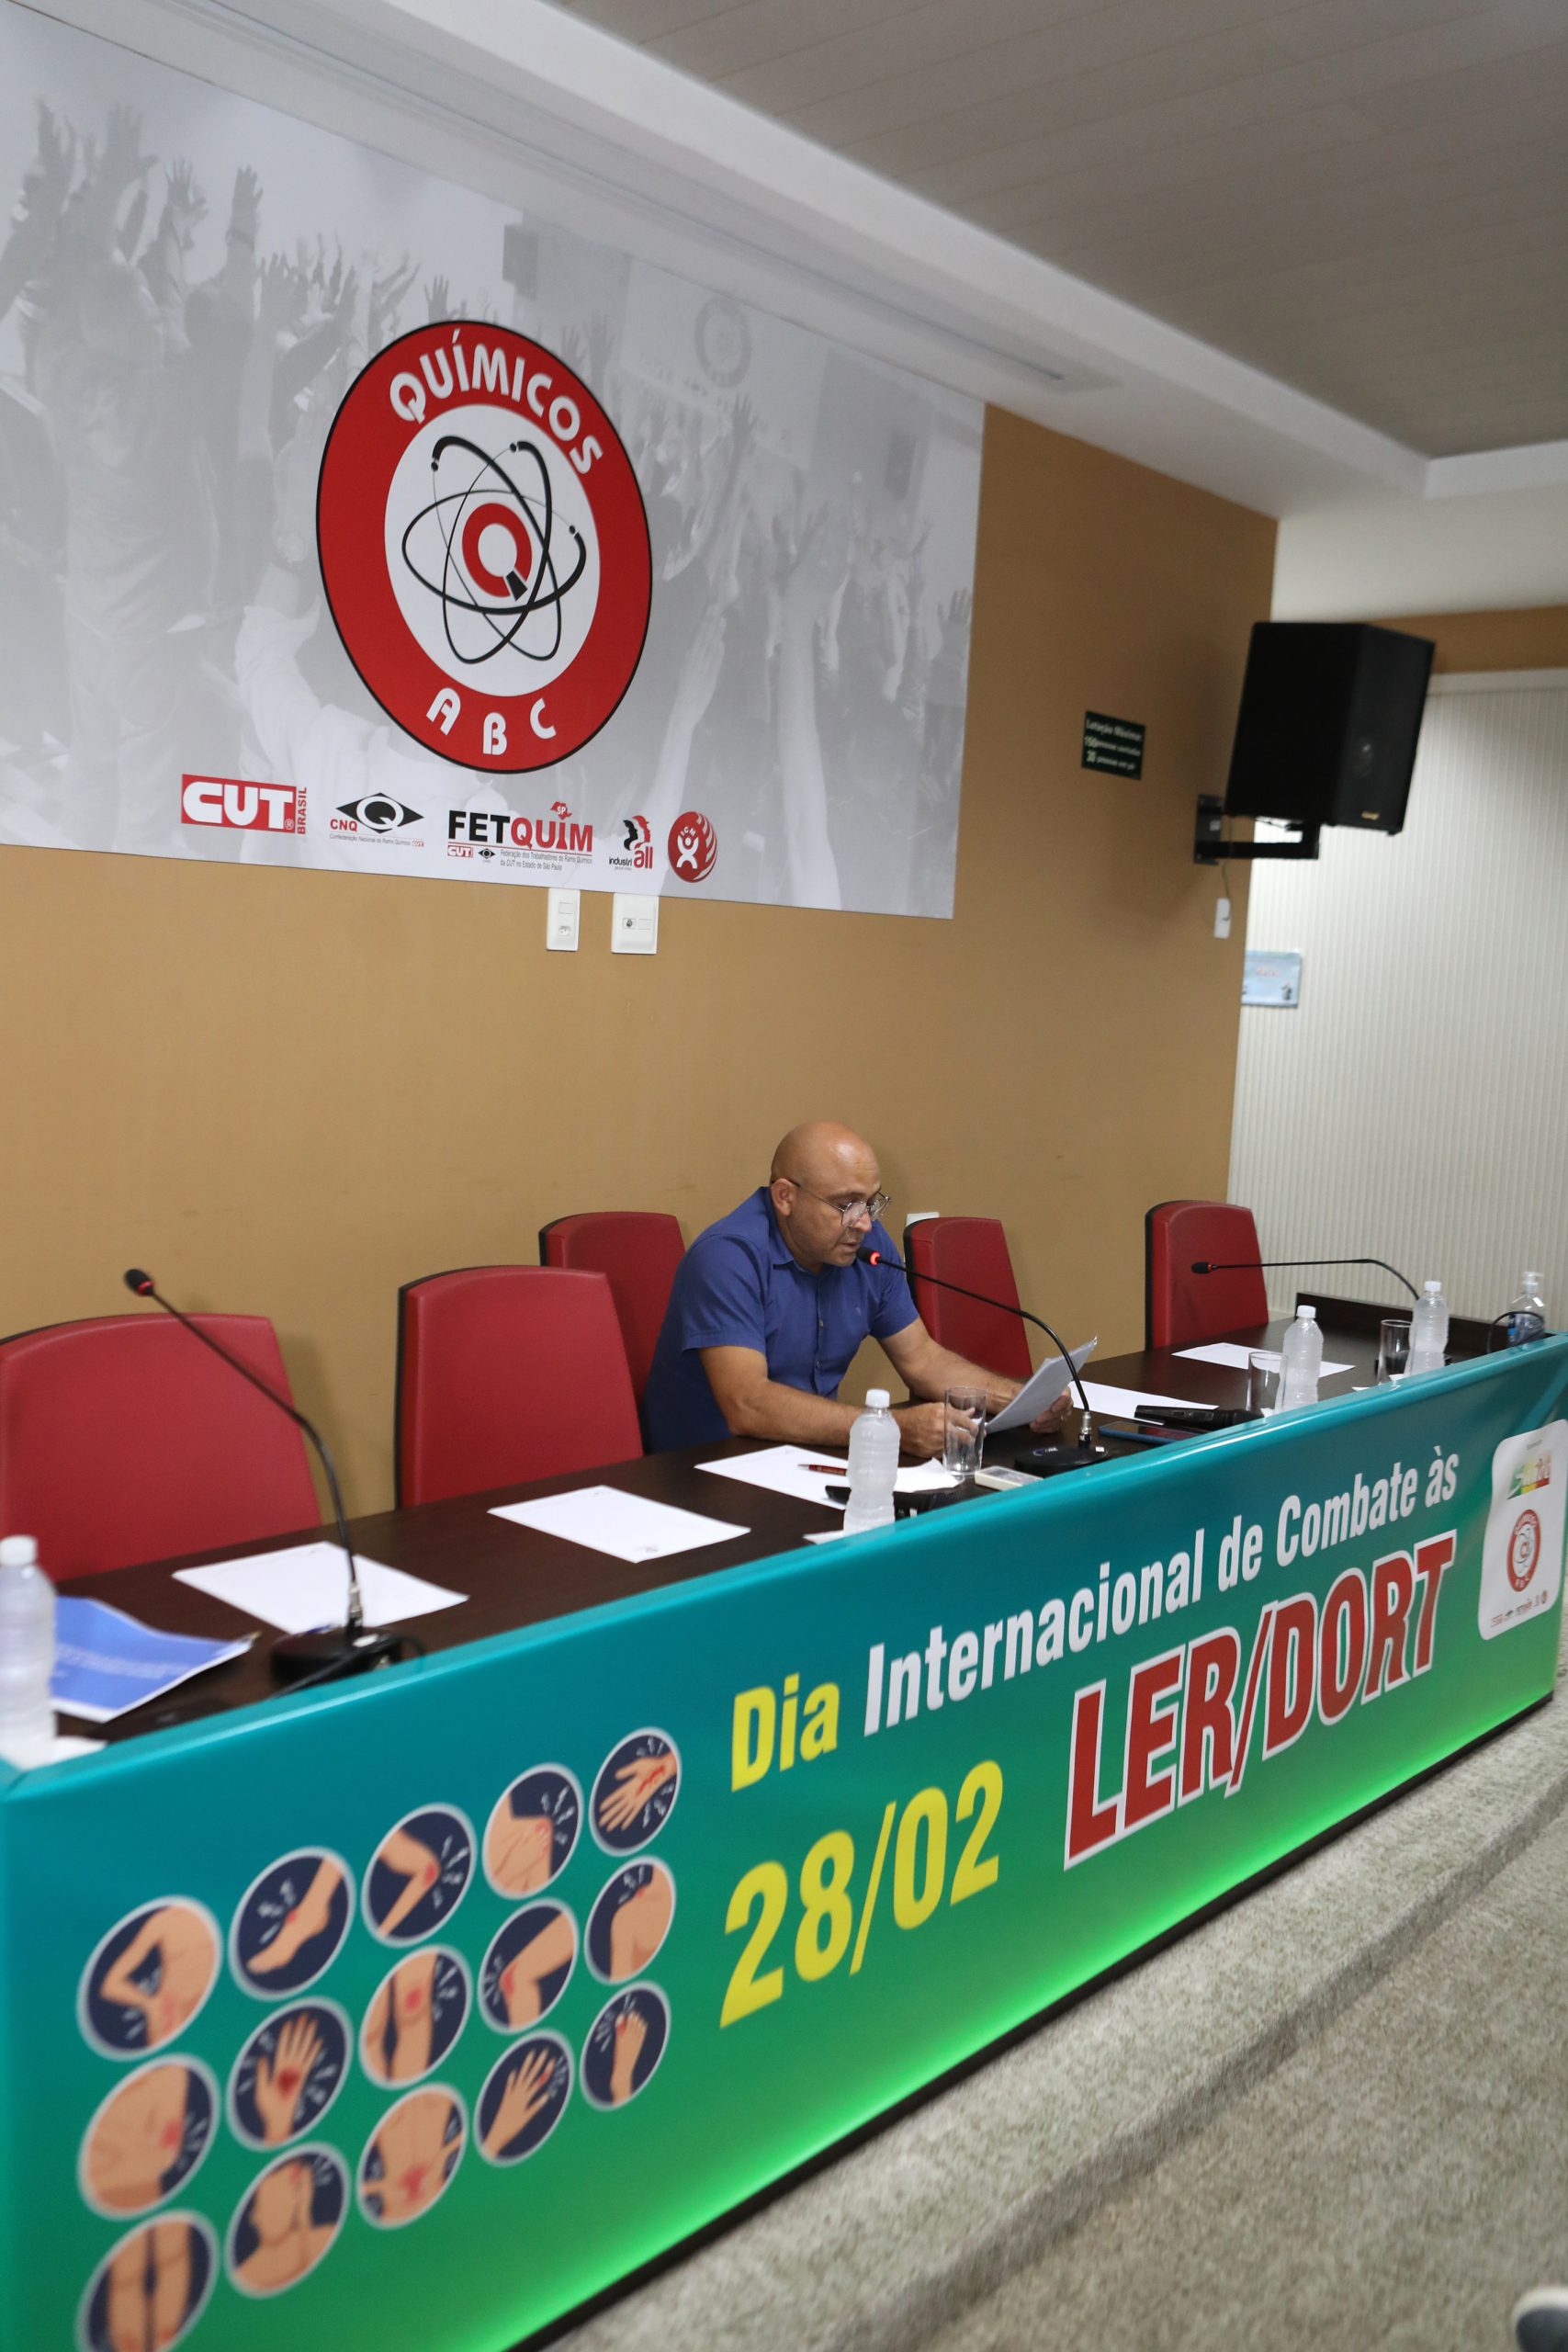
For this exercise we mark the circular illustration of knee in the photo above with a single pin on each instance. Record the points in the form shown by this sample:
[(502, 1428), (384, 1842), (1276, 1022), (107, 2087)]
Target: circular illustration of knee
[(286, 2222), (410, 2157), (418, 1874), (291, 1923), (150, 2288), (148, 2137), (415, 2016), (148, 1977), (630, 1920), (533, 1829), (527, 1966)]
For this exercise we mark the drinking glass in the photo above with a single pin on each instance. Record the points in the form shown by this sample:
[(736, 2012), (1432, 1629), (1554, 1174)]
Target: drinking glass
[(1394, 1348), (1262, 1380), (964, 1430)]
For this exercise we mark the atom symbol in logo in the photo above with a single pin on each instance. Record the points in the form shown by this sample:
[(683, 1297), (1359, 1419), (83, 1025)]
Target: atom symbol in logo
[(484, 548)]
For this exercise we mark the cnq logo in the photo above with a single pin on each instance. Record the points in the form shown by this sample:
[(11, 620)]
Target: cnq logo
[(248, 807)]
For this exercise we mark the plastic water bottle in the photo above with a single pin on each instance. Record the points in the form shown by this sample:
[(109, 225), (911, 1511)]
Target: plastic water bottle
[(1527, 1316), (874, 1465), (27, 1651), (1301, 1361), (1429, 1330)]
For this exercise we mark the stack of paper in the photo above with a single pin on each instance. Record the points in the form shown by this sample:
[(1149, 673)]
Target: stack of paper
[(628, 1526)]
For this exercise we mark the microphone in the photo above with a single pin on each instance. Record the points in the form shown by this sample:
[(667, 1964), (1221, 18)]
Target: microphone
[(352, 1647), (1263, 1265), (869, 1257)]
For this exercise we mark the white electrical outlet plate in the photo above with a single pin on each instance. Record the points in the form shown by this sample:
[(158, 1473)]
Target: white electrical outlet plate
[(633, 925), (562, 917), (1222, 919)]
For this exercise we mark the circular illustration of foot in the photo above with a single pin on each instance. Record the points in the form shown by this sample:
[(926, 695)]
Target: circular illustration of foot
[(629, 1921), (624, 2044), (635, 1792), (285, 2225), (291, 1923), (419, 1874), (523, 2098), (288, 2074), (149, 1977), (417, 2013), (148, 2137), (410, 2157), (533, 1829), (150, 2288), (527, 1966)]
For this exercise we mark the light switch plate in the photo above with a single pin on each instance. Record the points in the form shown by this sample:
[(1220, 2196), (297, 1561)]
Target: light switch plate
[(633, 925), (562, 918)]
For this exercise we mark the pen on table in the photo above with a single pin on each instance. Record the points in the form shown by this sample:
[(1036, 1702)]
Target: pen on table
[(829, 1469)]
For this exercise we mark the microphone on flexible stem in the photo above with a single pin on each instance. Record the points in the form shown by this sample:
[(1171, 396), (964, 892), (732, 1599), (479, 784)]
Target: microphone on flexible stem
[(351, 1647), (869, 1257), (1265, 1265)]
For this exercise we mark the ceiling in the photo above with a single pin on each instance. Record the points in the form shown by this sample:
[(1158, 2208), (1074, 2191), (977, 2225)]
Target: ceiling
[(1365, 199)]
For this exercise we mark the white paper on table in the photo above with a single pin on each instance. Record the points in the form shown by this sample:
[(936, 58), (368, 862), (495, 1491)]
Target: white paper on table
[(306, 1586), (1125, 1401), (1233, 1356), (1041, 1391), (925, 1478), (628, 1526), (783, 1470)]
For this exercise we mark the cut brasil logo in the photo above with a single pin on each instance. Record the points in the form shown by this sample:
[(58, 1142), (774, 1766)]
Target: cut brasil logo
[(484, 547)]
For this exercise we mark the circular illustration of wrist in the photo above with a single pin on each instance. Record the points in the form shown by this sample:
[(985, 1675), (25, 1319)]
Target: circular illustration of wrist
[(148, 2137), (527, 1966), (148, 1977), (410, 2157), (523, 2098), (418, 1874), (417, 2013), (635, 1792), (624, 2044), (629, 1921), (533, 1829), (285, 2224), (291, 1923), (288, 2074), (150, 2288)]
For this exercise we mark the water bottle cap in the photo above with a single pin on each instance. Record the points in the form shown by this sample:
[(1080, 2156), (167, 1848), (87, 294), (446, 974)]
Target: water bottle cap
[(1306, 1312), (1433, 1289), (18, 1551), (1532, 1282), (877, 1399)]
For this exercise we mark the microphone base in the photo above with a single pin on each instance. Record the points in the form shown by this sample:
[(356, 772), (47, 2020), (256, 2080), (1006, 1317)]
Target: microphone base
[(1047, 1461), (333, 1652)]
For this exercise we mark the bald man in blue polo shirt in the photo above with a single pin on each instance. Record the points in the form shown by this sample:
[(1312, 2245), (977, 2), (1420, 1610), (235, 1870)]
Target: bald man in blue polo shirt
[(771, 1304)]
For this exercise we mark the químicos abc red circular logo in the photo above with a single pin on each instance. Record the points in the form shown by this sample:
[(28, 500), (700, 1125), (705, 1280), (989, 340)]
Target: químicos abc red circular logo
[(484, 547), (1524, 1550)]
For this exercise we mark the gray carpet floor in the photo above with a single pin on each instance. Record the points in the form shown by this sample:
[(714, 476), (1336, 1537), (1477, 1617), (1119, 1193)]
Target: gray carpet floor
[(1334, 2116)]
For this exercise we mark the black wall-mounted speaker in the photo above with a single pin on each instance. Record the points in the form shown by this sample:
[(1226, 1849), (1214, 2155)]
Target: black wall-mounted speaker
[(1326, 733)]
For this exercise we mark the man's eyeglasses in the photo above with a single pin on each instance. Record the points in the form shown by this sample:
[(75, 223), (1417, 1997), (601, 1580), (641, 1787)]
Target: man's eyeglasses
[(851, 1211)]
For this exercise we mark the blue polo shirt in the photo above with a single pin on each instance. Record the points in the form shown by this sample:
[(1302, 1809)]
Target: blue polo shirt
[(737, 1286)]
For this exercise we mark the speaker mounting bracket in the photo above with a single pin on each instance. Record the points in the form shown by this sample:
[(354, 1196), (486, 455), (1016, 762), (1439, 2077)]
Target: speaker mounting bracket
[(1210, 846)]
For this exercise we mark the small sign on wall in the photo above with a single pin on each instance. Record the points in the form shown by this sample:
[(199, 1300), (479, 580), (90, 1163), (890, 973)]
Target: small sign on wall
[(1114, 745), (1272, 977)]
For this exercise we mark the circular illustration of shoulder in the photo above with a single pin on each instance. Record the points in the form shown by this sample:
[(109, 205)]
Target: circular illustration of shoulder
[(630, 1920), (624, 2044), (147, 2137), (291, 1923), (286, 2223), (288, 2074), (416, 2014), (527, 1966), (635, 1792), (150, 2288), (149, 1977), (523, 2098), (418, 1874), (410, 2157), (533, 1829)]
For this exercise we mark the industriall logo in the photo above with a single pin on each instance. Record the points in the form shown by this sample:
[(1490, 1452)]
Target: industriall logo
[(634, 851), (484, 547)]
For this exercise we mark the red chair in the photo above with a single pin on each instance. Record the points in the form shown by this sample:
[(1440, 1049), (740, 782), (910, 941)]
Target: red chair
[(637, 1251), (122, 1438), (508, 1374), (1180, 1308), (972, 1251)]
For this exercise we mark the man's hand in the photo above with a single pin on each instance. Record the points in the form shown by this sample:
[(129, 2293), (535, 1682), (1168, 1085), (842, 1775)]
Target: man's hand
[(1054, 1415), (921, 1429)]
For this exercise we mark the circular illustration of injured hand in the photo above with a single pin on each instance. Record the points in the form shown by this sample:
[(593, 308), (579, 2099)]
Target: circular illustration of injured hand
[(148, 2137), (624, 2044), (287, 2222), (418, 1874), (288, 2074), (533, 1829), (410, 2157), (149, 1977), (524, 2096), (629, 1921), (151, 2289), (527, 1965), (416, 2015), (635, 1792), (291, 1923)]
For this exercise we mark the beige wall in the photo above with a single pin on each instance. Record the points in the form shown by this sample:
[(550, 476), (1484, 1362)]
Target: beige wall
[(1535, 637), (287, 1092)]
